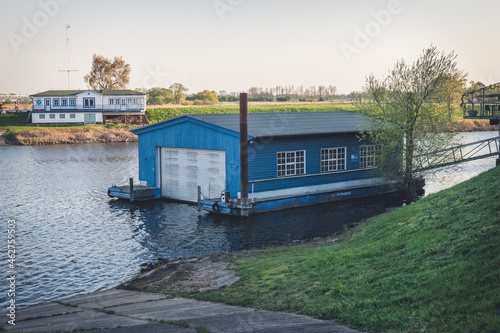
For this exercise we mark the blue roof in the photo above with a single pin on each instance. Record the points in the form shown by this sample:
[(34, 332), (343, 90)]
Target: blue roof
[(282, 123)]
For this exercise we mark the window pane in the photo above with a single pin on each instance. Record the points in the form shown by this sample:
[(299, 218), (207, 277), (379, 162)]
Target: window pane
[(290, 163)]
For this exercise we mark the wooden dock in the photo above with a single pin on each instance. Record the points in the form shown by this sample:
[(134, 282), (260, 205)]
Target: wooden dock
[(133, 192)]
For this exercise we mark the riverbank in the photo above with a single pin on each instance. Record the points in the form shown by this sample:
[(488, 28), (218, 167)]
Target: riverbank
[(15, 131), (432, 266)]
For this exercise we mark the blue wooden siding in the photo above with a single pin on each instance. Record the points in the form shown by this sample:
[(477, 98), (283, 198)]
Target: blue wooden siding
[(188, 133), (263, 161)]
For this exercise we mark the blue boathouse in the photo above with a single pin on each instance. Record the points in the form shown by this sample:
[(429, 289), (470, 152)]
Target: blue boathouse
[(294, 159)]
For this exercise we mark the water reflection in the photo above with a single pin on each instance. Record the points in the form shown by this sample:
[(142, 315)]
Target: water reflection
[(171, 230)]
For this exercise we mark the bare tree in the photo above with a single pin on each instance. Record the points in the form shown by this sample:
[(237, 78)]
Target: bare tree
[(108, 74)]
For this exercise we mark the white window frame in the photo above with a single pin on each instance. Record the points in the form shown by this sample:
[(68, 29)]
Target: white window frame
[(72, 102), (62, 116), (72, 116), (55, 102), (333, 159), (111, 101), (64, 102), (369, 156), (291, 163), (89, 102), (41, 116), (52, 116)]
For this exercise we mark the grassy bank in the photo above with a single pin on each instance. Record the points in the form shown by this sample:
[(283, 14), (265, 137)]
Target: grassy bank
[(20, 133), (433, 266)]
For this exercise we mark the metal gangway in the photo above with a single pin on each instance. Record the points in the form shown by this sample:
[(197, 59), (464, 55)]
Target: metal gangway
[(461, 153)]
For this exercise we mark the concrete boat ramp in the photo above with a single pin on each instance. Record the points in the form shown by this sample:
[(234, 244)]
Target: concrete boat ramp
[(117, 311), (2, 140)]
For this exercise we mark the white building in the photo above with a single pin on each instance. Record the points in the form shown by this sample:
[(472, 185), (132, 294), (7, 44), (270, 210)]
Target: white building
[(86, 106)]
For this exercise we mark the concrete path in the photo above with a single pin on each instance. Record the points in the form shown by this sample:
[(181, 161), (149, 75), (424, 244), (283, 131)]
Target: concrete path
[(2, 140), (120, 311)]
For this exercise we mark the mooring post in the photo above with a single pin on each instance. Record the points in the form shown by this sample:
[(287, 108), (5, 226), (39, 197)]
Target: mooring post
[(244, 153), (498, 159), (131, 180), (199, 198)]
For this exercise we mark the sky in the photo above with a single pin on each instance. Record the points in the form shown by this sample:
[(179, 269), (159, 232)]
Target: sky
[(233, 45)]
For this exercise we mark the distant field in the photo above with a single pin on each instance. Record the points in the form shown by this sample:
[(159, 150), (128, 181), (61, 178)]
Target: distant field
[(156, 114), (340, 101)]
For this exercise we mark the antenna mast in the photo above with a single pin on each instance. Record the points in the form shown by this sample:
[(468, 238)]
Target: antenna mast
[(67, 60)]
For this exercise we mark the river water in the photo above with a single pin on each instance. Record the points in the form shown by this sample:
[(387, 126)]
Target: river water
[(72, 239)]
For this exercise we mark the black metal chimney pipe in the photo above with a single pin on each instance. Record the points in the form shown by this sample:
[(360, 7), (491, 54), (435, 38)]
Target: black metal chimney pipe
[(244, 153)]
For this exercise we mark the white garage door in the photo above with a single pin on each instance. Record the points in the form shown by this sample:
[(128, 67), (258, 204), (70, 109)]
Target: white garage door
[(183, 170)]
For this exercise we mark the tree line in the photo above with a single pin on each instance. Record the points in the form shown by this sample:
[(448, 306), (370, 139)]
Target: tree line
[(115, 74)]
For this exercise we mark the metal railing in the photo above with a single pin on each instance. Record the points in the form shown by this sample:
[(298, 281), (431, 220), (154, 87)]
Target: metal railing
[(462, 153), (96, 107), (485, 110), (482, 103)]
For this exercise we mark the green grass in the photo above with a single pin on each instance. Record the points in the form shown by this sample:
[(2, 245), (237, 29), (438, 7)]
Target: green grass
[(159, 114), (433, 266)]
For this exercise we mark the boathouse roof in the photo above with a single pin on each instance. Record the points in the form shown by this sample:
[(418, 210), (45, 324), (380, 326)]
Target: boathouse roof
[(114, 92), (278, 123)]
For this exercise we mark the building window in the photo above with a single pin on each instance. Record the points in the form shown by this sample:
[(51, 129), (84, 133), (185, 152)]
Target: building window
[(135, 101), (111, 101), (62, 116), (332, 159), (129, 100), (64, 102), (291, 163), (72, 101), (88, 102), (52, 116), (72, 116), (369, 156), (47, 102), (41, 116), (56, 102), (124, 101)]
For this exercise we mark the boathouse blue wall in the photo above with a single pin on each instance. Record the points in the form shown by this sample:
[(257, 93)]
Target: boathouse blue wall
[(186, 132), (263, 161)]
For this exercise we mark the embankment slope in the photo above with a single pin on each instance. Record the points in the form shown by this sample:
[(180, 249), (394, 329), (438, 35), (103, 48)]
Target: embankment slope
[(433, 266)]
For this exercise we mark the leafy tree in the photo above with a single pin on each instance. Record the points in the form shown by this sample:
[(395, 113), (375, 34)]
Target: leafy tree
[(475, 85), (409, 103), (160, 96), (286, 98), (108, 74), (206, 96), (449, 94), (179, 92)]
